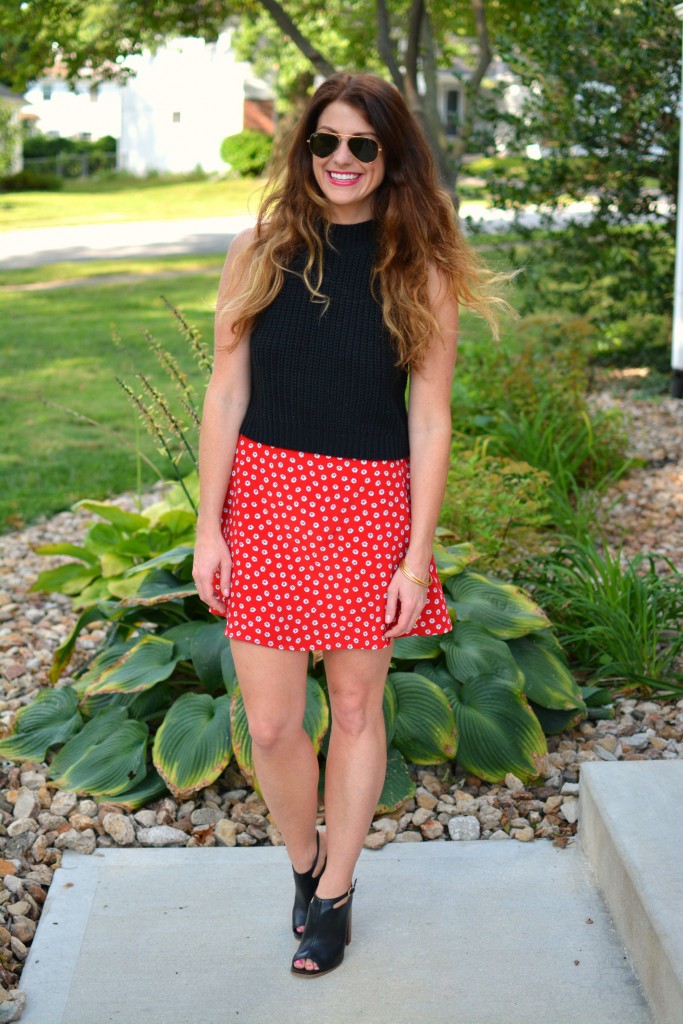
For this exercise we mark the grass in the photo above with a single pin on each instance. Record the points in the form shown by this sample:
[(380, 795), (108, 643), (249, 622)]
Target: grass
[(117, 201), (57, 347), (76, 272)]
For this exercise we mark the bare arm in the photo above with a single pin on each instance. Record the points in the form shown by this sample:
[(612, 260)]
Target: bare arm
[(429, 426), (225, 405)]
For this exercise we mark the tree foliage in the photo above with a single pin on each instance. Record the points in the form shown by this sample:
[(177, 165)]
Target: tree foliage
[(604, 84)]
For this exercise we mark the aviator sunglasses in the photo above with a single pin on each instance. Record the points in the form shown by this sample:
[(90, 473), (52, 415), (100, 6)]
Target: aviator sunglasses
[(324, 144)]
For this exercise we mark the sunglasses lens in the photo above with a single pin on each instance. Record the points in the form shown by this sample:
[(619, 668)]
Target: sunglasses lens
[(323, 144), (365, 150)]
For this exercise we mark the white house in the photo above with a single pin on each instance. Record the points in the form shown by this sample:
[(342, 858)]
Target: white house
[(181, 103), (170, 116), (84, 110)]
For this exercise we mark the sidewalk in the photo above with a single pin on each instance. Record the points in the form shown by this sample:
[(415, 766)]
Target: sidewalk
[(444, 933), (33, 247)]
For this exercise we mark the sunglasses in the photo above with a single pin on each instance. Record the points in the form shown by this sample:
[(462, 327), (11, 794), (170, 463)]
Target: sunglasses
[(324, 144)]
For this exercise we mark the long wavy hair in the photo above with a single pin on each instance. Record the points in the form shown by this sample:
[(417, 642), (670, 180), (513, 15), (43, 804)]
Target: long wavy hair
[(417, 227)]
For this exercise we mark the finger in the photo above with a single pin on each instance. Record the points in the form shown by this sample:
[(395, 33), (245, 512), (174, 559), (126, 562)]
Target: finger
[(225, 575), (392, 601)]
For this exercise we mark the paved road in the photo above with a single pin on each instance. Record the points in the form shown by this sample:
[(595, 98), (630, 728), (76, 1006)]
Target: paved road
[(34, 247)]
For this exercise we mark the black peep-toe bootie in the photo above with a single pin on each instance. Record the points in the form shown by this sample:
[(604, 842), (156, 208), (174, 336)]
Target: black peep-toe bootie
[(326, 935), (304, 887)]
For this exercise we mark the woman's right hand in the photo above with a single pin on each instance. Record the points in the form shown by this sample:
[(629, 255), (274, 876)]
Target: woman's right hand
[(211, 572)]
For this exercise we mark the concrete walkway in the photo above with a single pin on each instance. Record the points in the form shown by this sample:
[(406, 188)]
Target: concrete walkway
[(34, 247), (443, 932)]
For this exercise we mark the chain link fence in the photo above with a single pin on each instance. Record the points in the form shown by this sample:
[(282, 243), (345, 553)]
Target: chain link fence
[(72, 165)]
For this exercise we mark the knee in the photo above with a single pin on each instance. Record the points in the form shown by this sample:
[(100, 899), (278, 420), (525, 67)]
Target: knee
[(267, 732), (352, 714)]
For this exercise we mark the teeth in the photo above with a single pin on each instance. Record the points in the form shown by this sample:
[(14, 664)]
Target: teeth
[(344, 177)]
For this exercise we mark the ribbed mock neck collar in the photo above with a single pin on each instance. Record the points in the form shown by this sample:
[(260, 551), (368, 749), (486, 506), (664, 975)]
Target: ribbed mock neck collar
[(352, 235)]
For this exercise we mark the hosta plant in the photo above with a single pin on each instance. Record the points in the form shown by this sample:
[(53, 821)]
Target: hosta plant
[(158, 708)]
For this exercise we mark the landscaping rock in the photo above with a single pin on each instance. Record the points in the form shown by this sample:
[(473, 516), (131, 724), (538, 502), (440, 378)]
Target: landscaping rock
[(464, 827)]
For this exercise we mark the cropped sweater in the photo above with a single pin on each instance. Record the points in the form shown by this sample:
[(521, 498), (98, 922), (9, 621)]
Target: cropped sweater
[(324, 380)]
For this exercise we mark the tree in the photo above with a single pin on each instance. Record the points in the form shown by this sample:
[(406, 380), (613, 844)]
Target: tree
[(402, 39), (604, 83)]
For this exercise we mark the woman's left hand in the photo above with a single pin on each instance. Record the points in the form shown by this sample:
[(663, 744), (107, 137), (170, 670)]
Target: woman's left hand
[(410, 597)]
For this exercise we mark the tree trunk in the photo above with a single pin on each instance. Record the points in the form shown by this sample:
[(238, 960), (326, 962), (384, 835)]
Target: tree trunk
[(474, 84), (283, 20)]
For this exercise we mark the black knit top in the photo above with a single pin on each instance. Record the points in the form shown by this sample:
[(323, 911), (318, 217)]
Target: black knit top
[(324, 381)]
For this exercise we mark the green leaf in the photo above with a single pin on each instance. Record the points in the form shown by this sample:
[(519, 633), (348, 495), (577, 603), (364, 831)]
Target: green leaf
[(62, 655), (152, 659), (156, 587), (425, 727), (192, 745), (416, 648), (548, 681), (178, 522), (152, 787), (67, 549), (471, 650), (182, 635), (505, 610), (398, 785), (317, 713), (241, 740), (114, 564), (497, 730), (66, 579), (554, 721), (128, 521), (107, 756), (207, 648), (453, 559), (389, 709), (102, 537), (51, 718), (176, 556)]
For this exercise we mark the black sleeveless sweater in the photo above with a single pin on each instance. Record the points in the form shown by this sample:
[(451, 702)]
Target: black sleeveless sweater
[(324, 381)]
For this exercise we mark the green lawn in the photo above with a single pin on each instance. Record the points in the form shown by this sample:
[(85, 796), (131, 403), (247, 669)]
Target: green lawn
[(56, 346), (122, 200)]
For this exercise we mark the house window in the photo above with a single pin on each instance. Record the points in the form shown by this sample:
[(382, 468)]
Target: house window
[(176, 117), (452, 112), (47, 91)]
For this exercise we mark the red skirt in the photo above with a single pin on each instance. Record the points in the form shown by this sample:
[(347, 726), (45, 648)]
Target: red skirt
[(315, 541)]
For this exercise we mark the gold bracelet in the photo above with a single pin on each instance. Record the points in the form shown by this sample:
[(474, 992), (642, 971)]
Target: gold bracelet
[(411, 575)]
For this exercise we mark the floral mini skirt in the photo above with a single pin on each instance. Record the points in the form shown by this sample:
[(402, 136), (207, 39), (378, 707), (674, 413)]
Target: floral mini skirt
[(315, 541)]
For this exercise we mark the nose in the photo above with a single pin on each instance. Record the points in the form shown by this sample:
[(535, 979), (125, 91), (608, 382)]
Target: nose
[(343, 155)]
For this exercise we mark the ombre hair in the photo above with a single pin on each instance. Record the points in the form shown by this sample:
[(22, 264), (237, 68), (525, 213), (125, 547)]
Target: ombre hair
[(417, 227)]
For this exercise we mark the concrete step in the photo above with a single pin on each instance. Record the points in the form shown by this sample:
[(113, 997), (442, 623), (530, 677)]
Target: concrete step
[(631, 829), (445, 932)]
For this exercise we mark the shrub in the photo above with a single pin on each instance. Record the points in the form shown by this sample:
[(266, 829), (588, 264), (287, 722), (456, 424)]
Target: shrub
[(496, 503), (166, 669), (31, 181), (248, 152), (621, 624)]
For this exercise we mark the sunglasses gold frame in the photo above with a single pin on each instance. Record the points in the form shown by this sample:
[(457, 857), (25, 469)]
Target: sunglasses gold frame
[(345, 138)]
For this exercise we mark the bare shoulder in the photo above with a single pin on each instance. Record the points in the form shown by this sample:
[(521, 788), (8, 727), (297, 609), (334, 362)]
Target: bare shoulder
[(242, 240)]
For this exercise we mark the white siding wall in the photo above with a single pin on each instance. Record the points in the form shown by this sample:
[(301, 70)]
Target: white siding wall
[(70, 114), (179, 107)]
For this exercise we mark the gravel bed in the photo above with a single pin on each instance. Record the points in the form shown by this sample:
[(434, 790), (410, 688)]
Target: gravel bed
[(37, 822)]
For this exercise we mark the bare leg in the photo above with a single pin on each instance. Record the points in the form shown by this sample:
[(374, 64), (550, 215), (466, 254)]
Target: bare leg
[(356, 762), (273, 685)]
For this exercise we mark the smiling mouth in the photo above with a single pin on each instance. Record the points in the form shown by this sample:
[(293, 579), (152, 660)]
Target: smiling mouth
[(342, 178)]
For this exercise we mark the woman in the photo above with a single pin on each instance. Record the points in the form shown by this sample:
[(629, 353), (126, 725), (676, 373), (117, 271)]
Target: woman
[(320, 491)]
